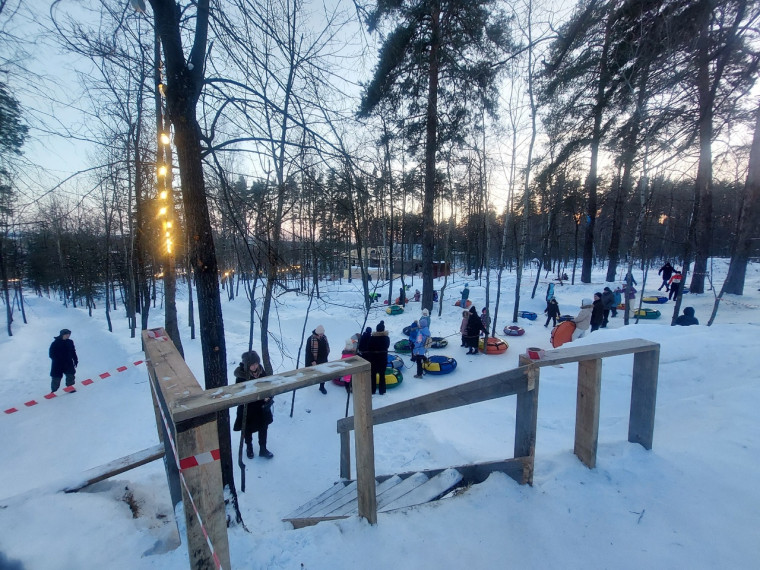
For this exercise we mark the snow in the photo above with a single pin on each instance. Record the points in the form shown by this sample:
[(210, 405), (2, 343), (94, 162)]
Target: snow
[(690, 502)]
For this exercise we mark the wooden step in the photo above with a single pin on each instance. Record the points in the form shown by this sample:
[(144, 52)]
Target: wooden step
[(394, 492)]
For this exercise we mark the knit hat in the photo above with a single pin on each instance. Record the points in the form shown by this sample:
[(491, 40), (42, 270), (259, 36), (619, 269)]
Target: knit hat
[(320, 329), (65, 331), (425, 312), (250, 357), (608, 289), (586, 302), (598, 294), (380, 326), (473, 310)]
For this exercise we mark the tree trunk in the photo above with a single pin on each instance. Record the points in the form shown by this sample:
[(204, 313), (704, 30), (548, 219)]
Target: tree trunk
[(749, 220), (184, 83), (431, 128)]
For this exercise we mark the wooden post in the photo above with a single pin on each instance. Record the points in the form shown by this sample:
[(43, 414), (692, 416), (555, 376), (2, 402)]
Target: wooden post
[(587, 411), (204, 482), (526, 421), (365, 446), (643, 397)]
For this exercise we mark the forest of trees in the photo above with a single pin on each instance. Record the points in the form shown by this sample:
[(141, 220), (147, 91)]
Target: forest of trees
[(489, 133)]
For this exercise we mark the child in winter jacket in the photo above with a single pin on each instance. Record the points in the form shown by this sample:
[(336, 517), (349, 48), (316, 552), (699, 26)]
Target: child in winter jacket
[(552, 312), (583, 319), (463, 327)]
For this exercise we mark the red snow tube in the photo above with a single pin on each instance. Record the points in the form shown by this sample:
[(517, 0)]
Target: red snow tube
[(562, 333), (495, 345)]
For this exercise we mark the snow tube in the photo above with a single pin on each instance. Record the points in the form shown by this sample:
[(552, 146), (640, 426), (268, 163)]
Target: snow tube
[(403, 346), (439, 364), (647, 313), (410, 330), (528, 315), (514, 331), (657, 299), (393, 378), (495, 345), (395, 361), (438, 342), (564, 318), (562, 333), (394, 310), (459, 303)]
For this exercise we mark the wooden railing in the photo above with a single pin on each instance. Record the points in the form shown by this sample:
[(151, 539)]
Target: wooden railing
[(187, 426), (521, 382), (646, 363)]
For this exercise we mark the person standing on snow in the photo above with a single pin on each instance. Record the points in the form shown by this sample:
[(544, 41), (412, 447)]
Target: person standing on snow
[(465, 296), (608, 303), (597, 312), (258, 415), (583, 319), (420, 348), (552, 312), (675, 284), (667, 272), (379, 343), (317, 351), (463, 327), (65, 361), (474, 327)]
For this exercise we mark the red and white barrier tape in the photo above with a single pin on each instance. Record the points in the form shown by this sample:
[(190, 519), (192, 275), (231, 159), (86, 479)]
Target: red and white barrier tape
[(189, 463), (51, 395)]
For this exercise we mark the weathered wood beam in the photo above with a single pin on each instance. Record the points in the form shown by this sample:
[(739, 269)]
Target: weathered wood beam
[(116, 467), (507, 383), (211, 401), (593, 351)]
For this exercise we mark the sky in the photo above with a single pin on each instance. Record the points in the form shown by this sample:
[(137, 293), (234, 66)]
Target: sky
[(689, 502)]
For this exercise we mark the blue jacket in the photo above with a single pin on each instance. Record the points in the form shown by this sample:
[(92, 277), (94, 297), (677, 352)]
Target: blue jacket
[(419, 343)]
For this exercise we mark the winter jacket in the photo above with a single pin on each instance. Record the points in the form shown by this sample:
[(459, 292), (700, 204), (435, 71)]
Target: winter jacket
[(597, 313), (474, 327), (259, 414), (465, 296), (583, 319), (463, 326), (64, 357), (379, 343), (552, 309), (618, 296), (318, 350), (608, 300), (675, 280), (423, 334), (687, 318), (666, 271)]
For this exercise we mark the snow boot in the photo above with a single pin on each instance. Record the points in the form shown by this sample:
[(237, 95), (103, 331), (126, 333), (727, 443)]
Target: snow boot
[(249, 450), (322, 389), (264, 452)]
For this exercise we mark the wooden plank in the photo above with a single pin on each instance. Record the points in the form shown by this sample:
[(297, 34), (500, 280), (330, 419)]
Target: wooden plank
[(526, 422), (404, 487), (345, 455), (116, 467), (507, 383), (327, 508), (203, 402), (587, 411), (429, 491), (352, 508), (302, 523), (327, 495), (644, 397), (361, 385), (595, 351)]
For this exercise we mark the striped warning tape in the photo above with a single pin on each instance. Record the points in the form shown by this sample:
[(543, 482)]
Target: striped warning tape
[(189, 463), (69, 389)]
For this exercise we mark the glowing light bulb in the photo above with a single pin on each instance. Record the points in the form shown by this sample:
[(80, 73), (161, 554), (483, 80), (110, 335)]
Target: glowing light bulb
[(164, 138)]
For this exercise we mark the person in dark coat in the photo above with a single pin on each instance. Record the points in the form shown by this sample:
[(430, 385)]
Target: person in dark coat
[(317, 351), (667, 272), (597, 312), (258, 415), (608, 304), (688, 318), (379, 343), (552, 312), (65, 361), (474, 328), (465, 296)]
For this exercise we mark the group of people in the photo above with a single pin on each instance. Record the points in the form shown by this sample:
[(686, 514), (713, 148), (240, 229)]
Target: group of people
[(471, 327)]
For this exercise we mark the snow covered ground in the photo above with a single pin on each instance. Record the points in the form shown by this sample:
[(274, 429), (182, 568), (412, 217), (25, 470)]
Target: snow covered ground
[(691, 502)]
